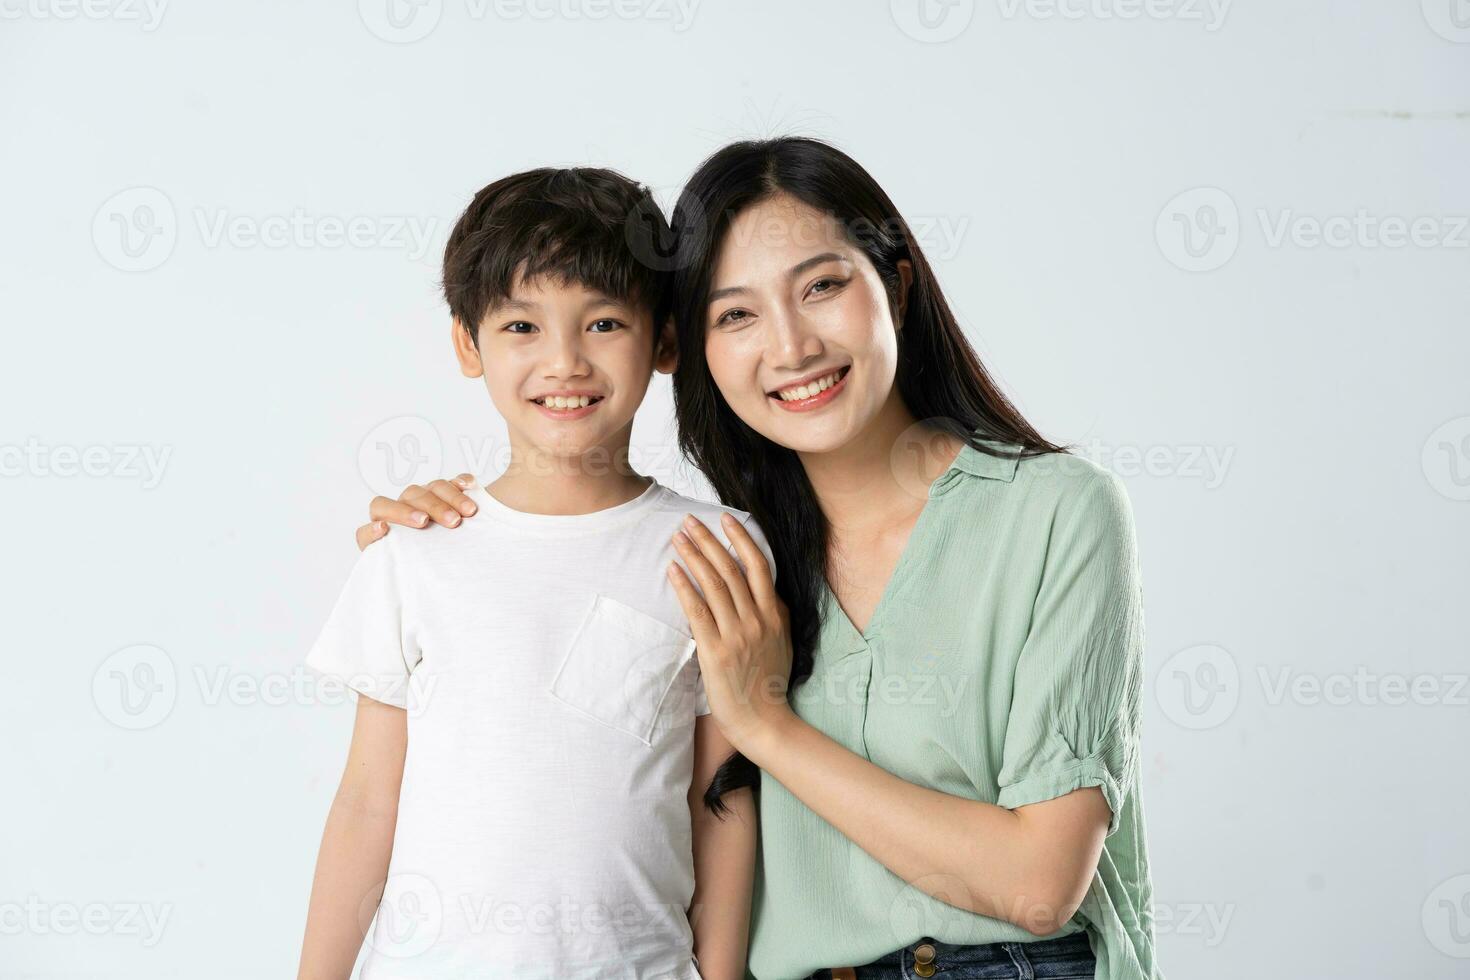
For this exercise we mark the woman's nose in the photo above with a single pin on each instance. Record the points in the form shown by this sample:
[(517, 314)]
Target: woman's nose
[(792, 341)]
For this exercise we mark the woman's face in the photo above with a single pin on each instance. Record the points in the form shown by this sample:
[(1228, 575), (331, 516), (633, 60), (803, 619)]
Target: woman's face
[(799, 336)]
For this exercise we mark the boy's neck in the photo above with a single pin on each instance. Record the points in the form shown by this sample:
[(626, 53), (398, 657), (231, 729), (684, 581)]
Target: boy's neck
[(540, 482)]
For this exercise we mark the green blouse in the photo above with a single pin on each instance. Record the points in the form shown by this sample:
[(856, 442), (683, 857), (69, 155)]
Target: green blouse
[(1003, 663)]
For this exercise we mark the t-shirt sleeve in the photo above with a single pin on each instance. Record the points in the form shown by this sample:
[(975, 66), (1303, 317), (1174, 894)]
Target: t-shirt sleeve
[(759, 537), (1075, 707), (701, 702), (367, 642)]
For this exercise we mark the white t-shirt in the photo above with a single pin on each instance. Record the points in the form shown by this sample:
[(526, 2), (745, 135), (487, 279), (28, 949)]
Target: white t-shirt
[(551, 688)]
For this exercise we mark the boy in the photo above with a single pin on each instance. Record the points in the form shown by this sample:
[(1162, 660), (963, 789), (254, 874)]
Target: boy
[(533, 743)]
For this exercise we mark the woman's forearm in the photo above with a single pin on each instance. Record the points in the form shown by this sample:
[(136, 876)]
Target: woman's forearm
[(351, 869), (1029, 866)]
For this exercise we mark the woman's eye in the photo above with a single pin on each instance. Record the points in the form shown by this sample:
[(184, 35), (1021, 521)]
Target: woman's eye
[(732, 318), (604, 326), (515, 327), (825, 285)]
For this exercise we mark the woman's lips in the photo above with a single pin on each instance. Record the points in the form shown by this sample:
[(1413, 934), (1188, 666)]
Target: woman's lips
[(819, 399)]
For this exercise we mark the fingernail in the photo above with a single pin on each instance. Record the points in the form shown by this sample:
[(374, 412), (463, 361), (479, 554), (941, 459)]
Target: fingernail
[(418, 517), (689, 521), (379, 527), (471, 508), (727, 519), (680, 538)]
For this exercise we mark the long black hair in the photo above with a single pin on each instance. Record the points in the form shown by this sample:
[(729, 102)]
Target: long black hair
[(939, 376)]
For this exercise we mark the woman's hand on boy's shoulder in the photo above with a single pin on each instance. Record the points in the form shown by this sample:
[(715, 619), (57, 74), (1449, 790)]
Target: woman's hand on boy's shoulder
[(441, 502)]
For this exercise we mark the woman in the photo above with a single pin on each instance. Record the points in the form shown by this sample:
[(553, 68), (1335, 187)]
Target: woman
[(948, 781)]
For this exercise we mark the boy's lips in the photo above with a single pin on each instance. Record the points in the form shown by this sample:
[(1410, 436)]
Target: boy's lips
[(566, 405)]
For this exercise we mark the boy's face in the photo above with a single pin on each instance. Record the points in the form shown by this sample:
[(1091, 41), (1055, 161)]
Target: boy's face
[(566, 366)]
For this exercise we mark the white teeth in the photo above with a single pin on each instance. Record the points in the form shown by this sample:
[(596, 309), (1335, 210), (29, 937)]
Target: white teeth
[(565, 402), (808, 390)]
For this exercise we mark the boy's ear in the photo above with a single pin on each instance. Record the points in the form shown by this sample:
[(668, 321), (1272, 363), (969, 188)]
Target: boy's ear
[(465, 352), (666, 350)]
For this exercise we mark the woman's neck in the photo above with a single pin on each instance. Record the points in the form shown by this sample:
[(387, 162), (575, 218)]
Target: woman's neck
[(882, 475)]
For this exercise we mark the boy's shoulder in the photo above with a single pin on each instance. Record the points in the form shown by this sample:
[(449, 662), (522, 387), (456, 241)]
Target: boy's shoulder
[(705, 510), (677, 505), (480, 536)]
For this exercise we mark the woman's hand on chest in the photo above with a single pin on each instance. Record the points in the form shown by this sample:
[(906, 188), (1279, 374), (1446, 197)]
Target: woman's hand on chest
[(740, 627)]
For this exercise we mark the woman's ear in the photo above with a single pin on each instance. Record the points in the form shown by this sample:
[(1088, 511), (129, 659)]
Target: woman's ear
[(666, 350), (465, 351), (905, 281)]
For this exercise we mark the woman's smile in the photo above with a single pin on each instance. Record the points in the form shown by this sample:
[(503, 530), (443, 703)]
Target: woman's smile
[(811, 392)]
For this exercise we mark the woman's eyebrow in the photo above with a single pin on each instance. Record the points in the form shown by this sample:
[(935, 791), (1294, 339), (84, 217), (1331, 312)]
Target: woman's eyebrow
[(791, 273), (806, 264), (720, 294)]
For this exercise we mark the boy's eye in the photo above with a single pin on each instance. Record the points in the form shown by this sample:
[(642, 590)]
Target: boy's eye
[(604, 326), (515, 327)]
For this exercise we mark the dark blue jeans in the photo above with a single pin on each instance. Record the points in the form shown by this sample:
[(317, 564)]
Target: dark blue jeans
[(1067, 958)]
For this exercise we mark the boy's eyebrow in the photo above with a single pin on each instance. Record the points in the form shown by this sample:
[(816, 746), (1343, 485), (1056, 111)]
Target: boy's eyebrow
[(791, 273), (601, 300), (523, 306)]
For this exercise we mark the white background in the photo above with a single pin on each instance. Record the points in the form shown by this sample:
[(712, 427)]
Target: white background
[(1291, 416)]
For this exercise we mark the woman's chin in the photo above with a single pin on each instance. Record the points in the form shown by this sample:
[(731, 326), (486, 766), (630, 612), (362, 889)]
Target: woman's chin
[(826, 431)]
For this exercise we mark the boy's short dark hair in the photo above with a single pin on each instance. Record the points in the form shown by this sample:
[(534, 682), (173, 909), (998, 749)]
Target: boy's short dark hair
[(580, 225)]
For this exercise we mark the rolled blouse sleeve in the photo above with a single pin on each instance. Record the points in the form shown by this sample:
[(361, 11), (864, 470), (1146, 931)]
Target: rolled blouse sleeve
[(1075, 706)]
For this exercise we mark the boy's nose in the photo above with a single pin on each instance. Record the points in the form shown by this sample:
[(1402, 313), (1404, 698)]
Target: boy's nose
[(566, 361)]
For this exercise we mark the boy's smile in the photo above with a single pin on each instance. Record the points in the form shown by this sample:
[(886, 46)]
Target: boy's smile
[(565, 405)]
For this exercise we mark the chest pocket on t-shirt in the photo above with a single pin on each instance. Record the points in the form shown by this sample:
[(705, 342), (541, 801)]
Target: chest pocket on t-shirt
[(621, 666)]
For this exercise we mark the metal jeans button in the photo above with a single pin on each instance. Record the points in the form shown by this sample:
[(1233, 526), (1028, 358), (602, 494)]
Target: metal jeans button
[(924, 960)]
